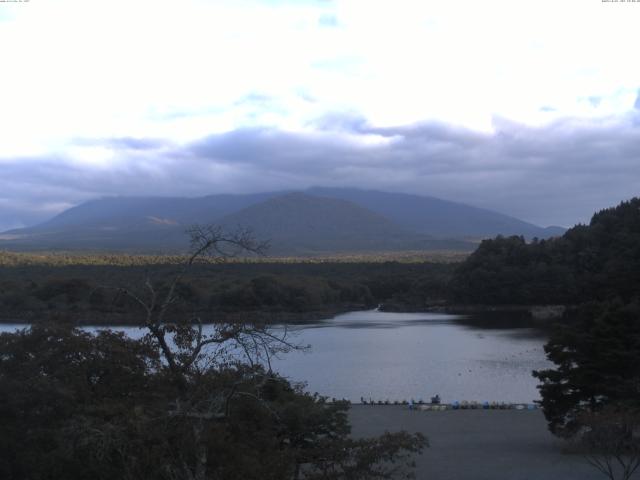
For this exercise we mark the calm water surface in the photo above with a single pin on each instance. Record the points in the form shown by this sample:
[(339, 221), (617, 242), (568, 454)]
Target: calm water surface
[(383, 355)]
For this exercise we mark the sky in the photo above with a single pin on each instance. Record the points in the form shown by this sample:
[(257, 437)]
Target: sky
[(530, 108)]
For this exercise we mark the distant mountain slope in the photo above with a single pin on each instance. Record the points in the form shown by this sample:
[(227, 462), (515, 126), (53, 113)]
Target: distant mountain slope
[(300, 223), (149, 224), (436, 217), (319, 220), (118, 212)]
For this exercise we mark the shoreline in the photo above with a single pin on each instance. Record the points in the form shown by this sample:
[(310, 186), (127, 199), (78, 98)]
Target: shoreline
[(454, 406), (539, 315), (128, 320), (534, 312)]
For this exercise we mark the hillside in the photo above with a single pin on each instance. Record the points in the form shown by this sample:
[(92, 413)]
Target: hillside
[(133, 224), (436, 217), (298, 223), (599, 261), (119, 212)]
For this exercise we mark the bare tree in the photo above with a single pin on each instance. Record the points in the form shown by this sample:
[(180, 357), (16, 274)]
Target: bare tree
[(189, 352), (610, 441), (220, 380), (182, 341)]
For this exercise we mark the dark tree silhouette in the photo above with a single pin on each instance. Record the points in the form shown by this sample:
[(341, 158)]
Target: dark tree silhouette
[(599, 261), (597, 354)]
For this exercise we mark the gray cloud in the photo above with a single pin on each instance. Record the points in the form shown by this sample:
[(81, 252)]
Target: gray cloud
[(556, 174)]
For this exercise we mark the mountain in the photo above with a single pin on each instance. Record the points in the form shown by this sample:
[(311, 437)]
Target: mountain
[(305, 224), (135, 211), (436, 217), (318, 220), (137, 224)]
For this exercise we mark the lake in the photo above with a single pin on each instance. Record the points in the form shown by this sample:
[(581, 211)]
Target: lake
[(397, 356)]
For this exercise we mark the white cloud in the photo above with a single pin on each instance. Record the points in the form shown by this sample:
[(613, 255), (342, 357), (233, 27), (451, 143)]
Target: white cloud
[(178, 71)]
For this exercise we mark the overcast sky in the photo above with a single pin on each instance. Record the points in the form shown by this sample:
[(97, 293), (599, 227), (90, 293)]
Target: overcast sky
[(531, 108)]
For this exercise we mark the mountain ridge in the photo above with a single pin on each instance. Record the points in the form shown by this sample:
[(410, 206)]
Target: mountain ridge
[(316, 220)]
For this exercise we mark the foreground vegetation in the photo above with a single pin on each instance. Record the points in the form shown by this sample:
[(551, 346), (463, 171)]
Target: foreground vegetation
[(77, 406), (176, 404)]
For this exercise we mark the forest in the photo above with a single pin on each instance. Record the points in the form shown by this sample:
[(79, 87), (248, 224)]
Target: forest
[(83, 289), (599, 261)]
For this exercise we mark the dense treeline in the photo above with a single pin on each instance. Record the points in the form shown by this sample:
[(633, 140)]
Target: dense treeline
[(83, 292), (599, 261)]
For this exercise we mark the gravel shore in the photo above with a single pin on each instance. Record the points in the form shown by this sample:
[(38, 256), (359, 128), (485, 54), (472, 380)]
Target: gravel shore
[(478, 444)]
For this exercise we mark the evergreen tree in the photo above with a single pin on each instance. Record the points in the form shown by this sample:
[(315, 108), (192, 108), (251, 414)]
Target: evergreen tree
[(597, 357)]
